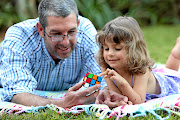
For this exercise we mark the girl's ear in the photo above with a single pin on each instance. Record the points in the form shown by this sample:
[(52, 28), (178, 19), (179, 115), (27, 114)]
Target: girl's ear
[(40, 29)]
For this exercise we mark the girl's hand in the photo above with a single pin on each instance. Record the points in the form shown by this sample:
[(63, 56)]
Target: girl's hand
[(112, 79), (106, 73), (113, 76)]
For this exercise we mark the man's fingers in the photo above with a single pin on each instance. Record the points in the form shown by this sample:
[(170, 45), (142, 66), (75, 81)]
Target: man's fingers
[(122, 103), (90, 98), (107, 96), (124, 98), (77, 86), (99, 98), (98, 101), (116, 96), (89, 90), (93, 88), (129, 103), (116, 103), (121, 97), (111, 104)]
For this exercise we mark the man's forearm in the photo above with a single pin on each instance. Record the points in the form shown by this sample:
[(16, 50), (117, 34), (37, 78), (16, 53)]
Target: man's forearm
[(28, 99)]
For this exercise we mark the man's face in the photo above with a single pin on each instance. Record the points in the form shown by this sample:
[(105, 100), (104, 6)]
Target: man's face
[(61, 26)]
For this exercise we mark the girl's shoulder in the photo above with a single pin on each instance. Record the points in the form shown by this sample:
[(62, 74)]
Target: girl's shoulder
[(146, 74), (144, 77)]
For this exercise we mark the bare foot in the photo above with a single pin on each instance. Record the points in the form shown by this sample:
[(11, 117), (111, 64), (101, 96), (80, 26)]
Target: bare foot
[(176, 50)]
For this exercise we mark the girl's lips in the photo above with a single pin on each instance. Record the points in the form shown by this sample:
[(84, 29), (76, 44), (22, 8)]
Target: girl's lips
[(112, 60)]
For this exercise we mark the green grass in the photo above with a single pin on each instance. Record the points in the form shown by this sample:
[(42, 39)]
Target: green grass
[(52, 115), (160, 40)]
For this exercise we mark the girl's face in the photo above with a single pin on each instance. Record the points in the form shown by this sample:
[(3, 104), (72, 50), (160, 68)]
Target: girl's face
[(115, 55)]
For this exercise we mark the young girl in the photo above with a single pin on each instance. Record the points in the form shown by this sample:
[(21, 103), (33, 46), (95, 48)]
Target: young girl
[(126, 65)]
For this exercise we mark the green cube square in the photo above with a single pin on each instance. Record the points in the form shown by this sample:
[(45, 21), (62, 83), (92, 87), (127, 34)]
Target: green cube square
[(90, 75)]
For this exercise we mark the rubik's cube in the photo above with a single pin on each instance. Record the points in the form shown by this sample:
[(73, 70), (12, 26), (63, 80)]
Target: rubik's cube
[(91, 79)]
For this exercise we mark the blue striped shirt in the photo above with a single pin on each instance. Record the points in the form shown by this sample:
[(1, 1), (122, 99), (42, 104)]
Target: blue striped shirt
[(26, 65)]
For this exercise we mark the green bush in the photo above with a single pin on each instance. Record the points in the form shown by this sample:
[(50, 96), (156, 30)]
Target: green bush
[(98, 11), (8, 15), (146, 12)]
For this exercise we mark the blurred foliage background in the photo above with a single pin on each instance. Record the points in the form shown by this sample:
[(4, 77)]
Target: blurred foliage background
[(159, 19), (146, 12)]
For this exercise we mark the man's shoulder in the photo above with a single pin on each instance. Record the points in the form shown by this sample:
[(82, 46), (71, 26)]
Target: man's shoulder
[(22, 29), (23, 35), (86, 28), (84, 22), (27, 24), (86, 33)]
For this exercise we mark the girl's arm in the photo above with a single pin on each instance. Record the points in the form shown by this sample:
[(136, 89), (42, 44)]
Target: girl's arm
[(136, 94), (110, 83)]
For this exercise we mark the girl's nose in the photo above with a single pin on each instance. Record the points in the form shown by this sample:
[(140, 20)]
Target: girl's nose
[(110, 52)]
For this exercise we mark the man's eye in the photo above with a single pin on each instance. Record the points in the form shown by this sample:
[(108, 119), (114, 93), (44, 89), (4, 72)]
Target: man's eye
[(54, 34), (71, 32)]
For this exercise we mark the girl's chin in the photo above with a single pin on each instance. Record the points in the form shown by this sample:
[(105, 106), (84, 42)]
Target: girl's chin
[(113, 65)]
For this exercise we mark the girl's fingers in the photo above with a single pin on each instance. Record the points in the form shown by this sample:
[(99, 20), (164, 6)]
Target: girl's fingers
[(105, 72), (102, 74)]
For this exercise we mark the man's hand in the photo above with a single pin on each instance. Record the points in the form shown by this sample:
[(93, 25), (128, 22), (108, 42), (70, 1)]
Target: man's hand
[(75, 97), (111, 98), (72, 98)]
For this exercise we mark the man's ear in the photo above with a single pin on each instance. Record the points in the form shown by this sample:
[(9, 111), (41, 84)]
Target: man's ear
[(40, 29), (78, 22)]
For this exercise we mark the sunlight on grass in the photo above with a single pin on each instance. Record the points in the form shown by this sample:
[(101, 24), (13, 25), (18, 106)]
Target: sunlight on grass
[(160, 40)]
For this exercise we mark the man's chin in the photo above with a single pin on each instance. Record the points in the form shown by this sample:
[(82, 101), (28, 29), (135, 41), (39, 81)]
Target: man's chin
[(64, 56)]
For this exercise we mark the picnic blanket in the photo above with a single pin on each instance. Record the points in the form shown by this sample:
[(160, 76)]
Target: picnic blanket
[(170, 104)]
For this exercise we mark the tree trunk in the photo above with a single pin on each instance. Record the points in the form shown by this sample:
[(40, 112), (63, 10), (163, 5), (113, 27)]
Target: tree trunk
[(26, 9)]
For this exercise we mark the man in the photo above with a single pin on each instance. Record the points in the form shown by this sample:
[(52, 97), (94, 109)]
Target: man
[(53, 53)]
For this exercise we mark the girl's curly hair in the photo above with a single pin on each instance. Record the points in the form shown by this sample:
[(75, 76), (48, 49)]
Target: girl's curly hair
[(126, 30)]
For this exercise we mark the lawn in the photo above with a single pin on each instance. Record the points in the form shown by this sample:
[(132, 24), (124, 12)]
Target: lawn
[(160, 41)]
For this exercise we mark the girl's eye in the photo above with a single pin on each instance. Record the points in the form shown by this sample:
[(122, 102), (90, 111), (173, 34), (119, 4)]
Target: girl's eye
[(106, 49), (118, 48)]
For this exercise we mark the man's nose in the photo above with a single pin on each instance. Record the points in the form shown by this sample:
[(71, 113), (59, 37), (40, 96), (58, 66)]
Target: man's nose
[(65, 40)]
